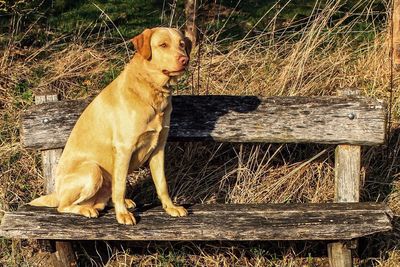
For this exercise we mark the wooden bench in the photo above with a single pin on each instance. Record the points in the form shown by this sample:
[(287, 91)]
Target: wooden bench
[(345, 121)]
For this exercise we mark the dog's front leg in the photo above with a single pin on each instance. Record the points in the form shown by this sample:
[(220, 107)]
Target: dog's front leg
[(158, 174), (121, 165)]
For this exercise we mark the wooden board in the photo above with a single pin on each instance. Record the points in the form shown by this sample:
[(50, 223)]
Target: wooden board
[(329, 120), (334, 221)]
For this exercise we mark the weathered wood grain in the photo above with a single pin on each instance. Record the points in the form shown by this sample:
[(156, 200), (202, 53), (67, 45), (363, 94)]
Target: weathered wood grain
[(64, 255), (339, 255), (347, 173), (347, 189), (329, 221), (330, 120), (50, 157), (347, 167)]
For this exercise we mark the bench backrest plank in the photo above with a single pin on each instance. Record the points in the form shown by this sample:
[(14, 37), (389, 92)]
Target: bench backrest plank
[(326, 120)]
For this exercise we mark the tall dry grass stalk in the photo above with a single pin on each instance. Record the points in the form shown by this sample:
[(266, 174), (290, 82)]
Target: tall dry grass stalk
[(313, 56)]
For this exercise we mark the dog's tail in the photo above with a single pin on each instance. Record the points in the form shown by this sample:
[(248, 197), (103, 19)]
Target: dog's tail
[(45, 201)]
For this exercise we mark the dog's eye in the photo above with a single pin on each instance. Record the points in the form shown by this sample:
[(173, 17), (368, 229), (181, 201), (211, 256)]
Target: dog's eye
[(163, 45), (182, 44)]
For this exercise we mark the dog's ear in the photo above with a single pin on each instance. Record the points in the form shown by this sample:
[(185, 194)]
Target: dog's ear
[(142, 43), (188, 45)]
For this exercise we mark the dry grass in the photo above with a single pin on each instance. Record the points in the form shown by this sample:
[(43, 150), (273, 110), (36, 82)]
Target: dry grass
[(392, 261), (317, 59), (309, 57), (194, 254)]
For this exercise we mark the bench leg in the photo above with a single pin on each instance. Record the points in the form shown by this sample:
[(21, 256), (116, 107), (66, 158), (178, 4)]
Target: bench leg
[(60, 253), (347, 189), (65, 254), (339, 255)]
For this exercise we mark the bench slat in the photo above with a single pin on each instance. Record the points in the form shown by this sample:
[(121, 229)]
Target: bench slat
[(327, 120), (328, 221)]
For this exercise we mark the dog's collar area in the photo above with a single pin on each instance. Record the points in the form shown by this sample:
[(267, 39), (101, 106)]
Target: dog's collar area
[(164, 91)]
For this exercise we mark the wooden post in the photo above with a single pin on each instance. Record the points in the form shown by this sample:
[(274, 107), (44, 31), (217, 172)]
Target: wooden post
[(347, 189), (339, 255), (64, 255), (396, 34), (190, 14), (347, 173), (49, 157)]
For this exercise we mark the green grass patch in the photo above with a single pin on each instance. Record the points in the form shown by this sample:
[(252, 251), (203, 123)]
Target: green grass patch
[(130, 17)]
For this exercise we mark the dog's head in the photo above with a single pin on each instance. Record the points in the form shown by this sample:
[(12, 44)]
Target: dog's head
[(166, 49)]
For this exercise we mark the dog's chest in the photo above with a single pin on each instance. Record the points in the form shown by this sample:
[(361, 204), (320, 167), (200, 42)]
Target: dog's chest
[(149, 139), (161, 100), (155, 123)]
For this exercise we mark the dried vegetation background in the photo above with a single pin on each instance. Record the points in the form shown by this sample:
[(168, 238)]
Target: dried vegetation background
[(315, 55)]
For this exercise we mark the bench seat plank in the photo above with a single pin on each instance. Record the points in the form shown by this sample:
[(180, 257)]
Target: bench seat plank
[(327, 221), (326, 120)]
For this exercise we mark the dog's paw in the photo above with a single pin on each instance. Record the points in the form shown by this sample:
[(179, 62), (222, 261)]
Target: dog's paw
[(129, 203), (99, 206), (176, 211), (126, 218), (89, 212)]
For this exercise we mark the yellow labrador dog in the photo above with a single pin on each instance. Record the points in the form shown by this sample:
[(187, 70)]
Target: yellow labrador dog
[(125, 125)]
